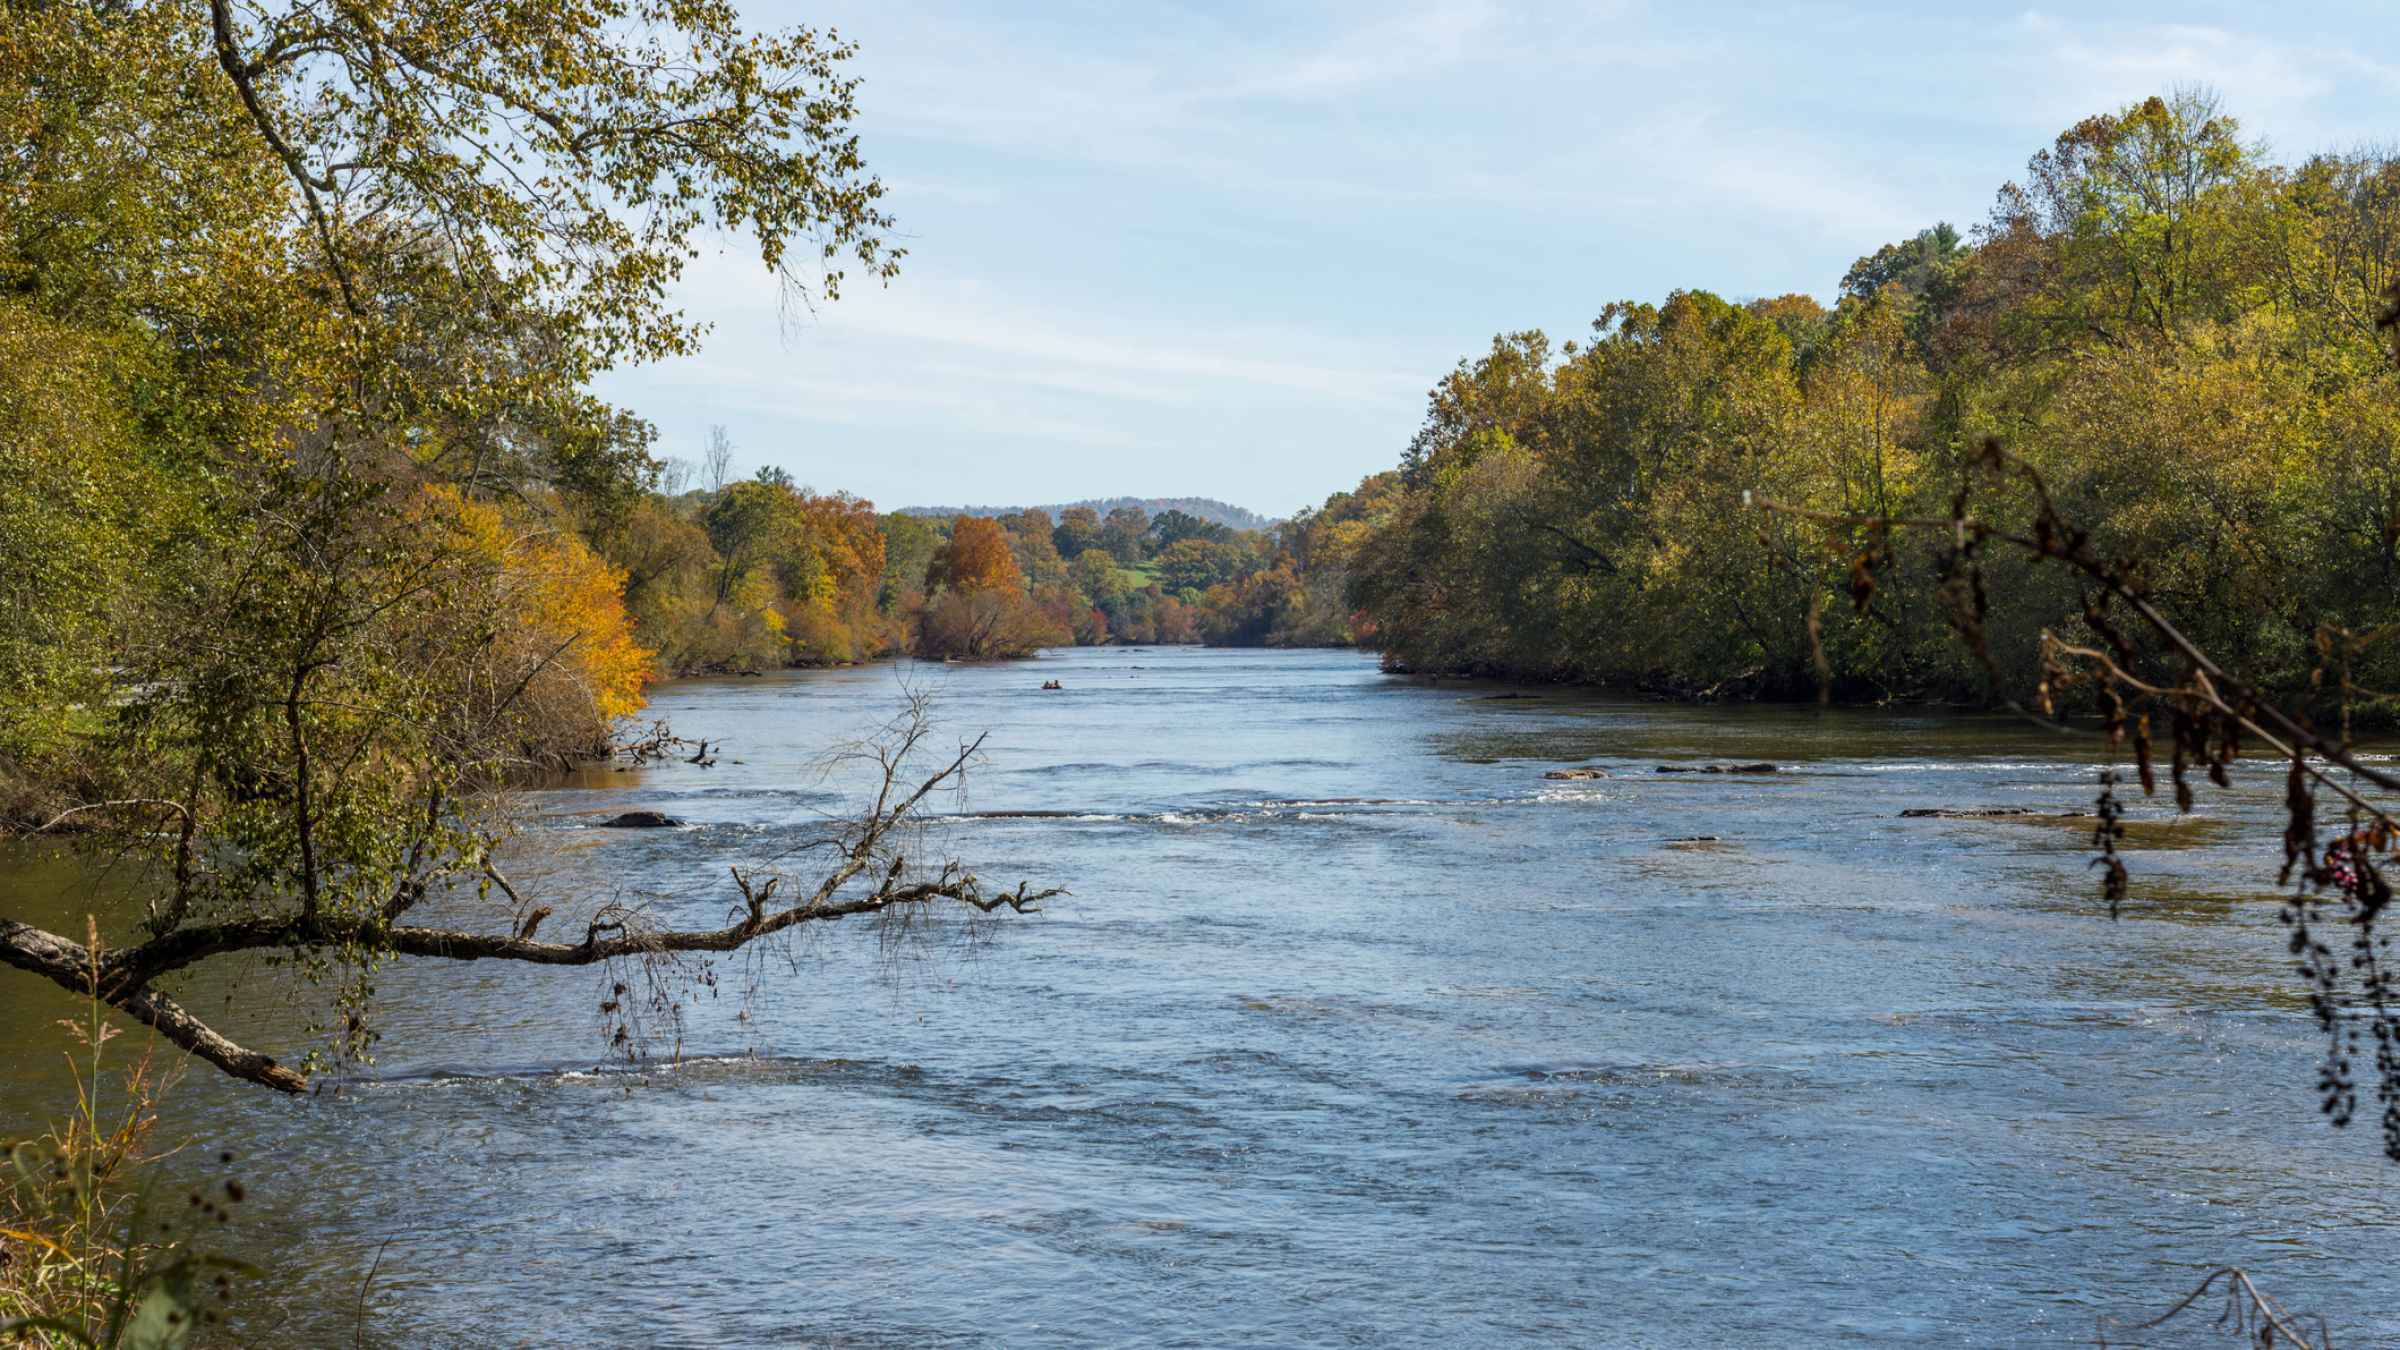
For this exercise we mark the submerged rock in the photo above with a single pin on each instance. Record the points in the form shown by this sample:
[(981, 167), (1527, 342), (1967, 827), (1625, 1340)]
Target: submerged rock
[(1576, 775), (1973, 813), (641, 820)]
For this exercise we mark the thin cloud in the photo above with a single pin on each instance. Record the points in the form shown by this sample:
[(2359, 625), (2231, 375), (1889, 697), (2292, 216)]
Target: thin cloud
[(1378, 53), (1249, 238)]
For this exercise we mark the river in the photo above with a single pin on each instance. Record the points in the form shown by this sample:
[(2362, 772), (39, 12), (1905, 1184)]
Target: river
[(1354, 1029)]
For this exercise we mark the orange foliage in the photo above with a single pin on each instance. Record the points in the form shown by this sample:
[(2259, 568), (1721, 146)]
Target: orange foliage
[(556, 609), (977, 558)]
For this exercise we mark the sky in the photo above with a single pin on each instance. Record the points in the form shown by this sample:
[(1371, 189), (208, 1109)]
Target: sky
[(1224, 250)]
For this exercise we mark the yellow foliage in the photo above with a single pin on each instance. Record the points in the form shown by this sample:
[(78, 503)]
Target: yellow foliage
[(558, 607)]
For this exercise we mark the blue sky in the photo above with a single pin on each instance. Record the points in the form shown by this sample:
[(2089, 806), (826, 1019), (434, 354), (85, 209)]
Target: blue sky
[(1223, 250)]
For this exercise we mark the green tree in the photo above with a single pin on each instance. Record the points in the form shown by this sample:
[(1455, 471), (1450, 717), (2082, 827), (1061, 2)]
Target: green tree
[(1096, 574), (1172, 527), (1122, 534), (1078, 529), (1031, 539), (354, 267), (909, 543), (1916, 265)]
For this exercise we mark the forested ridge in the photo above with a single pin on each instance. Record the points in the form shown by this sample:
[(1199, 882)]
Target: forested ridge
[(1206, 508), (2179, 333)]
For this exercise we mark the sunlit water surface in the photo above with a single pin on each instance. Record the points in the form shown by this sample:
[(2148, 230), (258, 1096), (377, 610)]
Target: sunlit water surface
[(1355, 1029)]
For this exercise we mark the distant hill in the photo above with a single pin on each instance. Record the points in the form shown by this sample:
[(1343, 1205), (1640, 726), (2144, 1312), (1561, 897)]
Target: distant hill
[(1207, 508)]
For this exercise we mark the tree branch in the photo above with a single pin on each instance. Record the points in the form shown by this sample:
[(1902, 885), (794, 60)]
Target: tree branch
[(68, 964), (124, 977)]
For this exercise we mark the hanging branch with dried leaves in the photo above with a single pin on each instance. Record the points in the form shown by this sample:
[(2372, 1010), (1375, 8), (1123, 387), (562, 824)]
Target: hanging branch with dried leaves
[(2140, 672)]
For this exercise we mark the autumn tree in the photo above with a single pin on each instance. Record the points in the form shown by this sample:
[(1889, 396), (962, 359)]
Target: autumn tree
[(976, 557), (326, 287), (1298, 598), (980, 608)]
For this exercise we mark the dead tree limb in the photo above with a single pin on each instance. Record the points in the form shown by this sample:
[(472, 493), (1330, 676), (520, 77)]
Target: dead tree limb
[(869, 876)]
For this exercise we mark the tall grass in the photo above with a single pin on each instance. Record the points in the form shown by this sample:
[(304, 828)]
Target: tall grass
[(86, 1260)]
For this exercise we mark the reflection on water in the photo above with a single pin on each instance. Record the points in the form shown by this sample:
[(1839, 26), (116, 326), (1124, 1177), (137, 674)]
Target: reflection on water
[(1355, 1027)]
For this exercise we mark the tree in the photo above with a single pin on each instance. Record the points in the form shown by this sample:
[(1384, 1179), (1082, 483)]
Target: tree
[(71, 516), (1036, 551), (361, 263), (718, 458), (1096, 574), (831, 569), (2133, 212), (1121, 534), (1300, 600), (1916, 265), (1172, 527), (909, 545), (1078, 529), (976, 557), (987, 623), (744, 525), (981, 609), (1197, 564)]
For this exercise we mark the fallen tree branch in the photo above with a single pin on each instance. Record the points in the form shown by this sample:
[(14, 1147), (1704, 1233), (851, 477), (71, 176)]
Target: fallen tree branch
[(68, 964), (869, 878)]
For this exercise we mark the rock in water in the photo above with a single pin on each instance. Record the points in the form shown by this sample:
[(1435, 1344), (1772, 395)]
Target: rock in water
[(1576, 775), (1969, 813), (641, 820)]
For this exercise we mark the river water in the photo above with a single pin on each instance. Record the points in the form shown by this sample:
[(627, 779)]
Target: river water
[(1354, 1029)]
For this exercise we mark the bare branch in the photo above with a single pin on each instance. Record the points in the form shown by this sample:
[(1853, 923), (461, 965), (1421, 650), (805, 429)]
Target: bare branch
[(2249, 1313), (869, 876)]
